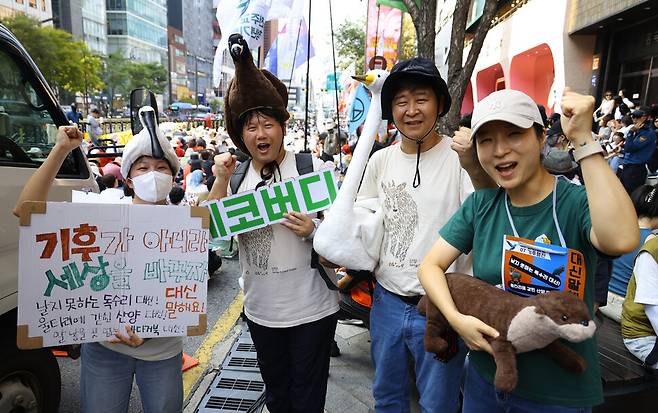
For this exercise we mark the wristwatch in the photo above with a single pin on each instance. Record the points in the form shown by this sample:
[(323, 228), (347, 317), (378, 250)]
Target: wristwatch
[(586, 150)]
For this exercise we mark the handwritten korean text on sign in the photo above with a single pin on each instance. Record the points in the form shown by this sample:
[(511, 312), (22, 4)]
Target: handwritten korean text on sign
[(86, 270), (251, 210)]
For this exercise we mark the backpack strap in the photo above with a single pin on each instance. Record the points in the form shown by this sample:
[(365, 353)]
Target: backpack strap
[(315, 264), (304, 163), (238, 176)]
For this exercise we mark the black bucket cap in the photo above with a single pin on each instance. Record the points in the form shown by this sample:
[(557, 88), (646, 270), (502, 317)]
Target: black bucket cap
[(417, 67)]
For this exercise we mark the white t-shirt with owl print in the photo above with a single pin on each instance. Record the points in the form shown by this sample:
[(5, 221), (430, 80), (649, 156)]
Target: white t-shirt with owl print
[(413, 216), (280, 287)]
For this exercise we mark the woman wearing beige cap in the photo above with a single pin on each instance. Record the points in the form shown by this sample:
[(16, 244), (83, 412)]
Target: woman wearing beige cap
[(534, 207), (108, 368)]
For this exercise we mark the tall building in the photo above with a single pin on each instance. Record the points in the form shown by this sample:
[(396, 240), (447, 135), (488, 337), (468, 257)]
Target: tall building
[(198, 32), (85, 20), (138, 29), (39, 9), (177, 51)]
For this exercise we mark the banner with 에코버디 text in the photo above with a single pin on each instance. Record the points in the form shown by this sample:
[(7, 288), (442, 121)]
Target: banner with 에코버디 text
[(88, 270), (250, 210)]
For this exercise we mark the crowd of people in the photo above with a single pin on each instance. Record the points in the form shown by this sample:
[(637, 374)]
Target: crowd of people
[(448, 203)]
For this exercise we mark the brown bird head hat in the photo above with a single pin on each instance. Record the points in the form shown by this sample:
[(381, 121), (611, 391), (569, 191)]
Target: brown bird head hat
[(250, 89)]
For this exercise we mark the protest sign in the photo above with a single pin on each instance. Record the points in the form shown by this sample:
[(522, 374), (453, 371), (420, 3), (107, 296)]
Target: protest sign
[(87, 270), (251, 210)]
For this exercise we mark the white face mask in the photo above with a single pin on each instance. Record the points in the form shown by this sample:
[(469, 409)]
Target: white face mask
[(153, 186)]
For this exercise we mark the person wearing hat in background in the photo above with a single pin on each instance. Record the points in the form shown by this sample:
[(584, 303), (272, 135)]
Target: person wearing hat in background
[(639, 147), (108, 368), (420, 184), (559, 162), (289, 309), (509, 134)]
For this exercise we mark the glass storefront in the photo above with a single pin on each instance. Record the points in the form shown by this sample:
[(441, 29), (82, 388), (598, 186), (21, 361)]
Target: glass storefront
[(640, 79)]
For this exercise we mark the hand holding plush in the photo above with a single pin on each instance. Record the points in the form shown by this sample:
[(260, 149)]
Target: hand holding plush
[(524, 324)]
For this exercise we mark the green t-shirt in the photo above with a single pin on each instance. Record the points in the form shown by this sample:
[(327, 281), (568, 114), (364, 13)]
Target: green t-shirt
[(479, 226)]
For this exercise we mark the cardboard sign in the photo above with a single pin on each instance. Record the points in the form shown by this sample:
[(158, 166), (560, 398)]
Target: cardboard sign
[(86, 271), (265, 206), (532, 267)]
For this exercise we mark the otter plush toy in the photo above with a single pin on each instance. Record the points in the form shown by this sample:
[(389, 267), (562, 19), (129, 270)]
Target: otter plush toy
[(524, 324)]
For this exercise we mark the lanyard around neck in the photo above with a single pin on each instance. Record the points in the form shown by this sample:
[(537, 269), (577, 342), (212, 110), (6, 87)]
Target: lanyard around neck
[(557, 224)]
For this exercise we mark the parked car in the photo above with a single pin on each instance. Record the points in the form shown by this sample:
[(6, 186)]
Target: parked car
[(29, 118)]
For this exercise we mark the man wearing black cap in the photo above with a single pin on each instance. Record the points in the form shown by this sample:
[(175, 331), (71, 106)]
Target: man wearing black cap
[(638, 149), (420, 184)]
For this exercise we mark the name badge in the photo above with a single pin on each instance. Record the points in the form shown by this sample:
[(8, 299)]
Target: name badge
[(532, 267)]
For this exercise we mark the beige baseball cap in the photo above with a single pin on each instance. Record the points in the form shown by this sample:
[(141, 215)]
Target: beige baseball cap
[(506, 105)]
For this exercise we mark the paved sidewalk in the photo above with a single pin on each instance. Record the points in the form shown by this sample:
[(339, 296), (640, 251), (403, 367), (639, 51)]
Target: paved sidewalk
[(350, 375)]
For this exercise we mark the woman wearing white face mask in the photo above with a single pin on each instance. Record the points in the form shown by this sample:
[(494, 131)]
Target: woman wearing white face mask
[(108, 368)]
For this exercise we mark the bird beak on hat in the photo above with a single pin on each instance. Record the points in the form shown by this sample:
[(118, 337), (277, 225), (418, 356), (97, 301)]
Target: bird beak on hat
[(366, 79)]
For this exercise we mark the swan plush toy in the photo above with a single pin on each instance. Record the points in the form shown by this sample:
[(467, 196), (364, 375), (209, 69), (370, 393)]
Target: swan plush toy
[(351, 233)]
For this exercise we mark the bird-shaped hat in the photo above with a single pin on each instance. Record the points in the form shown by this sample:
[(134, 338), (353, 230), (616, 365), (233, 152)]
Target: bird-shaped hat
[(250, 89)]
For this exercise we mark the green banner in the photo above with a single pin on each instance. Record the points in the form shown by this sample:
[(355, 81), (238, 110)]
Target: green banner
[(251, 210), (398, 4)]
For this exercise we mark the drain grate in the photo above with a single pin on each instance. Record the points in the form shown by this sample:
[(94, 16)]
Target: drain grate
[(229, 404), (238, 386), (242, 362), (246, 347)]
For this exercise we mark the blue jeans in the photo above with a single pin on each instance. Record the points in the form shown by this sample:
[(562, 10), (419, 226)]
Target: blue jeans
[(482, 397), (397, 331), (106, 380)]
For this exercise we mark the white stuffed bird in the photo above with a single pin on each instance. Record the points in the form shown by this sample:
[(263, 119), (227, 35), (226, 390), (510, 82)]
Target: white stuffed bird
[(351, 233)]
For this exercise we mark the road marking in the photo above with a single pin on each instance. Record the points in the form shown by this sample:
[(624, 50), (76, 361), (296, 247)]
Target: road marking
[(216, 335)]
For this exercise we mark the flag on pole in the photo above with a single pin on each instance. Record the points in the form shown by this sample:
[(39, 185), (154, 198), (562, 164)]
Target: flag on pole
[(280, 57), (246, 17), (359, 108)]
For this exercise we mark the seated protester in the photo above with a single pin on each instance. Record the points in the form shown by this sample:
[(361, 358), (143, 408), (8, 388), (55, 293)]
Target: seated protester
[(530, 203), (289, 309), (615, 151), (196, 190), (645, 201), (559, 162), (109, 181), (605, 128), (108, 368), (176, 196), (639, 317), (207, 161)]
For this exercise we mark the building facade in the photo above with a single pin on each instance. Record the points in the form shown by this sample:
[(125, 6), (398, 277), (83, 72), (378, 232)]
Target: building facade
[(85, 20), (39, 9), (177, 51), (198, 21), (138, 29)]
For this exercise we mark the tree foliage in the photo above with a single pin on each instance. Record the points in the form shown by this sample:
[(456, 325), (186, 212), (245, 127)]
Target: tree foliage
[(66, 63), (350, 45), (123, 75)]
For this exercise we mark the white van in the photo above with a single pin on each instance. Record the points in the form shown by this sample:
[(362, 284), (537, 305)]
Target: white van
[(29, 117)]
